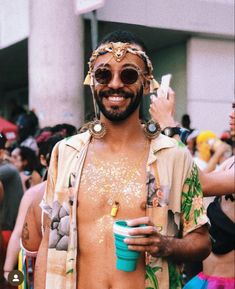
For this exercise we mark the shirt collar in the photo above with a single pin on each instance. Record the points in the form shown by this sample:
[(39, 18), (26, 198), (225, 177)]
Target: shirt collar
[(77, 141), (159, 143)]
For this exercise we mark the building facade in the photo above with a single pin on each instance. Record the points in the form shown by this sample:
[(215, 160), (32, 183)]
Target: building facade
[(45, 48)]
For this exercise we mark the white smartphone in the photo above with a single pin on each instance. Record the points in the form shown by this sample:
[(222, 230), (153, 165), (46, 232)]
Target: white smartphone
[(165, 83)]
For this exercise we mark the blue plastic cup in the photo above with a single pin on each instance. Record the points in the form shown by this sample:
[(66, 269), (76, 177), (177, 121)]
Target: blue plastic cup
[(126, 259)]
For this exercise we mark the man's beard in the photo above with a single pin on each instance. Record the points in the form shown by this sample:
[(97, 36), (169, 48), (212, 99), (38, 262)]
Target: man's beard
[(114, 114)]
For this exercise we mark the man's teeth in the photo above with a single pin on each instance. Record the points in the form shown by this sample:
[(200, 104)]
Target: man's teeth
[(116, 98)]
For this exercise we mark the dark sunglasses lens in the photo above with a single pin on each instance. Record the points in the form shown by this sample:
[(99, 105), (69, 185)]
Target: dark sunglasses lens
[(103, 75), (129, 76)]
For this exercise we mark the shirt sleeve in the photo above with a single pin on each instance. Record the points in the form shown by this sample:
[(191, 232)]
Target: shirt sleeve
[(47, 201), (192, 209)]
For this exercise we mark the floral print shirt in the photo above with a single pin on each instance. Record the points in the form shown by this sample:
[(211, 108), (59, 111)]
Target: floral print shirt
[(173, 201)]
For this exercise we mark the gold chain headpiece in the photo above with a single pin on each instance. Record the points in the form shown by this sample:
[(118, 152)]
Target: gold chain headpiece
[(119, 51)]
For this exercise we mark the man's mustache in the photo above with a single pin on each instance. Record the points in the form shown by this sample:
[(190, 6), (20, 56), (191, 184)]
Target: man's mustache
[(106, 93)]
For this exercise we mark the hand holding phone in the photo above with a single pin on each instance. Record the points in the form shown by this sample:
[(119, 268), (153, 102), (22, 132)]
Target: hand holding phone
[(165, 83)]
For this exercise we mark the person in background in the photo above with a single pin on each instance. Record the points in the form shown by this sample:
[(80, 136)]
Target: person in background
[(64, 129), (15, 109), (211, 151), (186, 122), (203, 146), (12, 194), (227, 138), (27, 163), (219, 267), (191, 142), (31, 196), (27, 124), (43, 134)]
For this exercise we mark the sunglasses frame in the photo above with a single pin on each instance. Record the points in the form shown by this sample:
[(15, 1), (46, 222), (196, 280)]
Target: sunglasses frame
[(136, 69)]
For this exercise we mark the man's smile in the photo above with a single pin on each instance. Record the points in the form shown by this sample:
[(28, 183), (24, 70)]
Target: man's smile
[(116, 100)]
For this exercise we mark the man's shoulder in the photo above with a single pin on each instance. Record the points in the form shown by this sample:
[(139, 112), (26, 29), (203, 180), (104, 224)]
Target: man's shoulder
[(171, 145), (76, 141), (171, 151)]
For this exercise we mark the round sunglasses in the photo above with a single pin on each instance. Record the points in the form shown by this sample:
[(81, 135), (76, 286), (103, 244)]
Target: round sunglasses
[(128, 76)]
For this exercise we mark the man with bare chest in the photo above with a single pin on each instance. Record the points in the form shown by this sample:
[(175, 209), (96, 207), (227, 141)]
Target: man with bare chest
[(120, 169)]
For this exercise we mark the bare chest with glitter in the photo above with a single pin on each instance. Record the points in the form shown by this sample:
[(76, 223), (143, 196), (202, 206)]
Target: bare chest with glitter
[(114, 185)]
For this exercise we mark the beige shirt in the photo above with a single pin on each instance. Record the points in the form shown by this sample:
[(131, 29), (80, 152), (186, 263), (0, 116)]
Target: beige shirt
[(173, 200)]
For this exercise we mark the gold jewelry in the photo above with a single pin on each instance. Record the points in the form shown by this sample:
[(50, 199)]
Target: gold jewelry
[(114, 209), (152, 129), (97, 128), (119, 51)]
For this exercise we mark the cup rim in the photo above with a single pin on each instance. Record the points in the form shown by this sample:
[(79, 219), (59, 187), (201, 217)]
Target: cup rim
[(123, 231)]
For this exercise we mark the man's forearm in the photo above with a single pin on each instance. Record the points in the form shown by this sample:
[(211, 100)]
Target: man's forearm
[(195, 246)]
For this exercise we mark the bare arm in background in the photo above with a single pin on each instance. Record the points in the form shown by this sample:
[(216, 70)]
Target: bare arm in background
[(214, 183), (14, 243), (217, 183)]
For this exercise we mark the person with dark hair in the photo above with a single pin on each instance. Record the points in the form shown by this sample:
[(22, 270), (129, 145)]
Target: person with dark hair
[(186, 122), (64, 129), (26, 162), (29, 208), (27, 124), (12, 193), (120, 169)]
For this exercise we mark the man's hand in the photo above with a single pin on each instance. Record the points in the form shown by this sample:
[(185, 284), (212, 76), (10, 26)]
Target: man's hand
[(195, 246), (162, 109), (152, 241)]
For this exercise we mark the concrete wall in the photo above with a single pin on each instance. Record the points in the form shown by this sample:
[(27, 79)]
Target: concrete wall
[(14, 21), (170, 60), (173, 60), (56, 61), (210, 78), (200, 16)]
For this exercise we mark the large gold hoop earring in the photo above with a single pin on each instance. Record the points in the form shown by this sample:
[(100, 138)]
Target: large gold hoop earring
[(97, 128), (152, 129)]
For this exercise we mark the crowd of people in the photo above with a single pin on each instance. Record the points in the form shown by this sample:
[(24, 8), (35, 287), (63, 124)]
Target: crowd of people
[(160, 183), (23, 171)]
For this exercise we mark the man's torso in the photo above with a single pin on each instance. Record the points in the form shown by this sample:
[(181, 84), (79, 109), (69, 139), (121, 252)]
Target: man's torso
[(106, 179)]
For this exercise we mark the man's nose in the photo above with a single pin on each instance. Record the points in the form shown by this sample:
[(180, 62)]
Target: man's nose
[(116, 81)]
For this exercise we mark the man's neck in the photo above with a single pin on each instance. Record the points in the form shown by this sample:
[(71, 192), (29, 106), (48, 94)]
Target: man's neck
[(124, 132)]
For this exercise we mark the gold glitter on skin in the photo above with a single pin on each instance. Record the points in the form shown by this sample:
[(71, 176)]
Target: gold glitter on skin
[(114, 179), (104, 182), (104, 224)]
